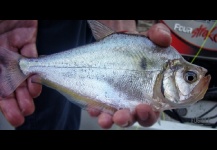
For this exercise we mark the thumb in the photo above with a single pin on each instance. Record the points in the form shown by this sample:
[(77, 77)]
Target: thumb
[(159, 34)]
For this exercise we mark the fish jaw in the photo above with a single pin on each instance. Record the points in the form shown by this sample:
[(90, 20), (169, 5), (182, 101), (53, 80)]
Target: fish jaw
[(201, 88)]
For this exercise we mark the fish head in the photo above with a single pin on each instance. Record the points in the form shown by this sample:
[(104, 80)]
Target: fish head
[(184, 83)]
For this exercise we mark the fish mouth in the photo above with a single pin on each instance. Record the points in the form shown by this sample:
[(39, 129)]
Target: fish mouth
[(201, 88)]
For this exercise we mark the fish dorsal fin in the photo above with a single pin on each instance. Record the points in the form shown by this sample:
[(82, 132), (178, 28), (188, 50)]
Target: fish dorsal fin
[(99, 30)]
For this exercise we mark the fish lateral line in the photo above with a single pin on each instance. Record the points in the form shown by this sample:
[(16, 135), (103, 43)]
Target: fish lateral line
[(98, 68)]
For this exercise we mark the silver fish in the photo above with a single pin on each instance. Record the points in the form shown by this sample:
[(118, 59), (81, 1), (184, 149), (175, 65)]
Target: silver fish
[(115, 72)]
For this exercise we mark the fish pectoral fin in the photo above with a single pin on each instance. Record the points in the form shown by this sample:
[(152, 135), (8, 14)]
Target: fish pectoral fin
[(99, 30)]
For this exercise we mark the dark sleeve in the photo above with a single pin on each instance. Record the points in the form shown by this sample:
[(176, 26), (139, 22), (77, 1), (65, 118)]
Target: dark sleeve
[(136, 22)]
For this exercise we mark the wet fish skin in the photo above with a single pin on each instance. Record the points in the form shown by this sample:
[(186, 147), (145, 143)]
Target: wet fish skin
[(116, 76), (118, 71)]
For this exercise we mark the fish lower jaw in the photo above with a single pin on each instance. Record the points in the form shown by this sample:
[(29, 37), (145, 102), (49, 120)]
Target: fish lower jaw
[(161, 106), (203, 86)]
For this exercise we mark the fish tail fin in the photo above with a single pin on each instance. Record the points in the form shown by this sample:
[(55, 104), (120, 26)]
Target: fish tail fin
[(10, 74)]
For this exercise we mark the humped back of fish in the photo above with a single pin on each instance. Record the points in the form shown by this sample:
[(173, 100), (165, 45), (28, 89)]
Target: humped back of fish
[(118, 71)]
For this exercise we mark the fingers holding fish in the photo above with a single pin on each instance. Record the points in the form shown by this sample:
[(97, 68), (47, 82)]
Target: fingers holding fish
[(124, 118), (29, 50), (18, 105), (8, 25), (24, 100), (93, 112), (160, 35), (145, 115), (105, 120), (11, 111), (20, 37), (34, 89)]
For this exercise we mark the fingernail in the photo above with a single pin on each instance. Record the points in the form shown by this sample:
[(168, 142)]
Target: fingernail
[(165, 31), (144, 116), (125, 125)]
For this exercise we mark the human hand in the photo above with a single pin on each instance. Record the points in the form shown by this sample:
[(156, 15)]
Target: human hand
[(143, 113), (19, 36)]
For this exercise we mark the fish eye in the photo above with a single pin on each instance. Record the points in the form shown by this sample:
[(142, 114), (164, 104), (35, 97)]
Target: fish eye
[(190, 76)]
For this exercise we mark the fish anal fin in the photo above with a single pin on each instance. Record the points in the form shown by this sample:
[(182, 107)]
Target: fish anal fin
[(100, 107), (87, 103), (99, 30)]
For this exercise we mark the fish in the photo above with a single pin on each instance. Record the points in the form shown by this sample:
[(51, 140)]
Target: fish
[(117, 71)]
